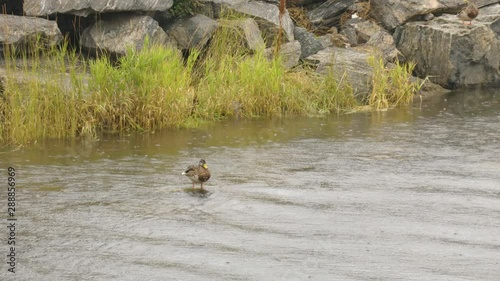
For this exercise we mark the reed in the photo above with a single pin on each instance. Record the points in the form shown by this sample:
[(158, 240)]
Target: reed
[(40, 99), (147, 90), (54, 93), (392, 86)]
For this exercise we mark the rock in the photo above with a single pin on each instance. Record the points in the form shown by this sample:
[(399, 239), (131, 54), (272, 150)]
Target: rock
[(393, 13), (301, 3), (349, 36), (21, 31), (346, 64), (85, 7), (267, 16), (384, 42), (328, 14), (309, 42), (117, 32), (428, 90), (192, 32), (453, 55), (365, 30), (290, 53), (250, 30)]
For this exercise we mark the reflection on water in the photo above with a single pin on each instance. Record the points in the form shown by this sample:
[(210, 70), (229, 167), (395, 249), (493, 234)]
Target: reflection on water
[(385, 195)]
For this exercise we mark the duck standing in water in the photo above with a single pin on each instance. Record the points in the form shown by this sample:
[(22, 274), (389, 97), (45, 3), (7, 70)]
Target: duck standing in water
[(468, 13), (198, 173)]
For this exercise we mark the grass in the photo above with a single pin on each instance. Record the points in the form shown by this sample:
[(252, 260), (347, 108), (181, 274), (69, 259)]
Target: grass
[(392, 86), (54, 93)]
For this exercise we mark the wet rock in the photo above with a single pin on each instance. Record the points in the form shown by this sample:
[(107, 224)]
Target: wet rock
[(20, 31), (86, 7), (290, 53), (451, 54), (250, 30), (346, 64), (309, 42), (328, 14), (267, 16), (117, 32), (192, 32), (428, 90)]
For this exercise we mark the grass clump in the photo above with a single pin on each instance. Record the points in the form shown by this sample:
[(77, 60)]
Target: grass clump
[(39, 100), (391, 86), (147, 90)]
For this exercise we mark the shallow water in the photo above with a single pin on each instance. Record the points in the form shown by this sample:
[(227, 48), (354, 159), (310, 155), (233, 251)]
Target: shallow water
[(406, 194)]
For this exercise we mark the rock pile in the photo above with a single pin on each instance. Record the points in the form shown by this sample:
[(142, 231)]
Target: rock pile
[(343, 32)]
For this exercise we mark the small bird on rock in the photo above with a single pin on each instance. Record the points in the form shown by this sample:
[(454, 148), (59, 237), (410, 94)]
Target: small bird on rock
[(468, 13), (198, 173)]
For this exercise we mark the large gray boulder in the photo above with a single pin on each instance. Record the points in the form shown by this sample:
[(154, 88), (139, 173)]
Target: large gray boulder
[(393, 13), (267, 16), (309, 42), (115, 33), (328, 14), (289, 53), (249, 29), (21, 31), (192, 32), (86, 7), (451, 54), (346, 64)]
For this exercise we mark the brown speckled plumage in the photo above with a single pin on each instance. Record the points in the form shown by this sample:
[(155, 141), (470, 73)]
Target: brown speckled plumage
[(468, 13), (198, 173)]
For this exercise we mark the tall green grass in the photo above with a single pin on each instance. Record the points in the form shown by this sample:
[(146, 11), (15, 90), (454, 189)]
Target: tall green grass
[(39, 100), (54, 93), (392, 86), (146, 90)]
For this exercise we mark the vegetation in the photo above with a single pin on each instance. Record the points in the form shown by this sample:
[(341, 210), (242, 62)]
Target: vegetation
[(62, 95)]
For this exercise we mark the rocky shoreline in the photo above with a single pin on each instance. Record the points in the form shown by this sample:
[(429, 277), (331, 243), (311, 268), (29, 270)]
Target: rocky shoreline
[(317, 32)]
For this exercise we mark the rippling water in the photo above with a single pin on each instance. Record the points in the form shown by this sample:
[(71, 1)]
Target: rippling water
[(407, 194)]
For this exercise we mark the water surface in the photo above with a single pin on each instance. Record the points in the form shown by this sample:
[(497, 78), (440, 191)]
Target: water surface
[(406, 194)]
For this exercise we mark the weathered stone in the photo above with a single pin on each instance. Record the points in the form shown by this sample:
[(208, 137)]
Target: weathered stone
[(290, 53), (250, 30), (346, 64), (365, 30), (453, 55), (349, 36), (384, 41), (328, 14), (300, 3), (192, 32), (267, 16), (117, 32), (309, 42), (86, 7), (21, 31), (393, 13)]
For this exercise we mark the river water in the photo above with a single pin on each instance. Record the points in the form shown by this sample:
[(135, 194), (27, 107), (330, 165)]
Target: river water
[(405, 194)]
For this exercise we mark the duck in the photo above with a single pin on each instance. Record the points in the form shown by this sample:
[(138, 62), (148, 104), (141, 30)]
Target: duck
[(468, 13), (198, 173)]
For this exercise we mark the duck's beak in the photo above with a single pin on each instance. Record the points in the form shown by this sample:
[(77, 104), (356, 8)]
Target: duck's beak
[(205, 166)]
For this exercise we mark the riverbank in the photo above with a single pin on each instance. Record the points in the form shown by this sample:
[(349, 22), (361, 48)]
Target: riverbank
[(62, 95)]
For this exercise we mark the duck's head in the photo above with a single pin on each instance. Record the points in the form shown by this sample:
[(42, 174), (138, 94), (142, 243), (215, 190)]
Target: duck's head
[(203, 164)]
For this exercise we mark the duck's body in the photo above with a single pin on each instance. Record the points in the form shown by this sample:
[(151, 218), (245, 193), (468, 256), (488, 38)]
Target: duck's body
[(198, 173), (468, 13)]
